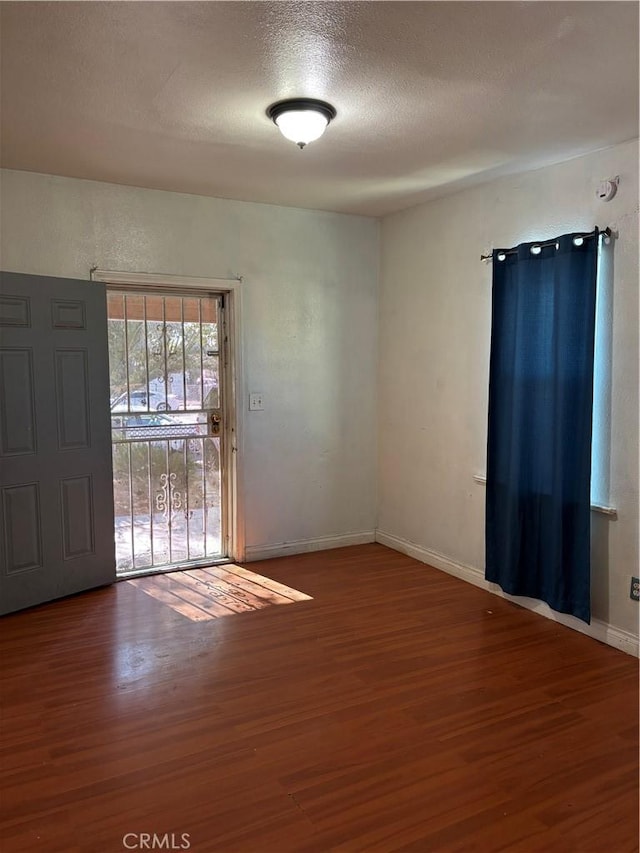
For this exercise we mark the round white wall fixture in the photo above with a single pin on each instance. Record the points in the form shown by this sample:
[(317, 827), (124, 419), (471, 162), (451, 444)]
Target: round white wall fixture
[(607, 188)]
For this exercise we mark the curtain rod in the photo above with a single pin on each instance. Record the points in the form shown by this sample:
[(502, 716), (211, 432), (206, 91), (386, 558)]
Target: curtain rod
[(606, 232)]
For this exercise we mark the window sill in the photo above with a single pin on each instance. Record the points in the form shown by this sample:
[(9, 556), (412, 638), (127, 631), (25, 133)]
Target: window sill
[(612, 512)]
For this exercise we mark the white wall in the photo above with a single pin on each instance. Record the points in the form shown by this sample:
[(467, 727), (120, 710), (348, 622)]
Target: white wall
[(309, 317), (434, 362)]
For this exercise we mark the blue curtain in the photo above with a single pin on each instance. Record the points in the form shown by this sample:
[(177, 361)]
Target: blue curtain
[(540, 408)]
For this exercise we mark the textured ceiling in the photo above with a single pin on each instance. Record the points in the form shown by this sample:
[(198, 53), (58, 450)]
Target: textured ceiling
[(431, 96)]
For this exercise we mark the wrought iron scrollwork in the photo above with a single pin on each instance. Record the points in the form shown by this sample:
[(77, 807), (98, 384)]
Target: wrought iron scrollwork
[(168, 499)]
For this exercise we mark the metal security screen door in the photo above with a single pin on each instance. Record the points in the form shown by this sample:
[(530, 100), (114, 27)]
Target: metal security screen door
[(167, 425)]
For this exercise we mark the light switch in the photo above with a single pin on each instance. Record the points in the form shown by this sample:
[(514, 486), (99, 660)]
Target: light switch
[(256, 403)]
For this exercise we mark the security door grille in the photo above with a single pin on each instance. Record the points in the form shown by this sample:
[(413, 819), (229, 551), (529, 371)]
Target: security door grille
[(167, 429)]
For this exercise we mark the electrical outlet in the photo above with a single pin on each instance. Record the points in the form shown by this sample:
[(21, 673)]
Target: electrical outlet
[(256, 402), (634, 593)]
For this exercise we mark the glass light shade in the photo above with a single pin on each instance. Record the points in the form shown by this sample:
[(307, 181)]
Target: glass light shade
[(302, 126)]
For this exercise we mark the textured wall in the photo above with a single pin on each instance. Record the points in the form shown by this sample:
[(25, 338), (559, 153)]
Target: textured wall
[(435, 316), (310, 325)]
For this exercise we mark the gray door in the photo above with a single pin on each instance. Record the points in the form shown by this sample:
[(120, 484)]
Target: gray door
[(56, 491)]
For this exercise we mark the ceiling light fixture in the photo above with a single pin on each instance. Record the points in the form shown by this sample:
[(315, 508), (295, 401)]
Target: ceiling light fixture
[(301, 120)]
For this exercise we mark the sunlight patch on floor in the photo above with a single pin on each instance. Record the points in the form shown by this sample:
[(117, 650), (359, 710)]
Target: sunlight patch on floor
[(201, 594)]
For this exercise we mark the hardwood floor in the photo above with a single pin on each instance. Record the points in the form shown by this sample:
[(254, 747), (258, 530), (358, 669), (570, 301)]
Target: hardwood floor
[(201, 594), (398, 710)]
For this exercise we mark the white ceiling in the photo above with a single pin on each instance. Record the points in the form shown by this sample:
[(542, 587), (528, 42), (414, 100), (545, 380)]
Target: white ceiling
[(431, 96)]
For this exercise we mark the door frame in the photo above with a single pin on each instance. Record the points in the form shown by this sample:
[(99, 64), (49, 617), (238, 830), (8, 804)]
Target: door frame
[(231, 290)]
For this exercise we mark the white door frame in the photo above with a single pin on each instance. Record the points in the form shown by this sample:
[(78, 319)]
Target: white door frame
[(231, 289)]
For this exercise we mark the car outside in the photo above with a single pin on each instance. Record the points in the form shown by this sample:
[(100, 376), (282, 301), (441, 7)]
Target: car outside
[(143, 401)]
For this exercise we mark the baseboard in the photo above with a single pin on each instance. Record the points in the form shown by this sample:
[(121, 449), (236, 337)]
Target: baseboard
[(302, 546), (602, 631)]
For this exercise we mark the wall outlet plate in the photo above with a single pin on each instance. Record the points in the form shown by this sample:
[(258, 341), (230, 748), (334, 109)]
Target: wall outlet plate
[(634, 593), (256, 401)]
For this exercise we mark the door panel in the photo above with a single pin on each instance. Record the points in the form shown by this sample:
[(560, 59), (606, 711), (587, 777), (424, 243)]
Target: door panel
[(17, 424), (72, 399), (56, 495), (22, 529)]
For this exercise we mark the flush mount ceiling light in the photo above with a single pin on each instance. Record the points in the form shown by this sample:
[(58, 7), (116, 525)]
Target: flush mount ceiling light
[(301, 119)]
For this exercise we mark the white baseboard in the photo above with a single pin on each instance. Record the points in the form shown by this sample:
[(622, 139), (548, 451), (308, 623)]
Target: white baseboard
[(602, 631), (302, 546)]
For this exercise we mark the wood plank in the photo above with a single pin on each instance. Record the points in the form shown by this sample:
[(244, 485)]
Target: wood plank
[(232, 597), (181, 585), (240, 583), (399, 709), (158, 591), (267, 583)]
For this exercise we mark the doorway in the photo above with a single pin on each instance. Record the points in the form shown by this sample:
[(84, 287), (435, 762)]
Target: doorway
[(168, 376)]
